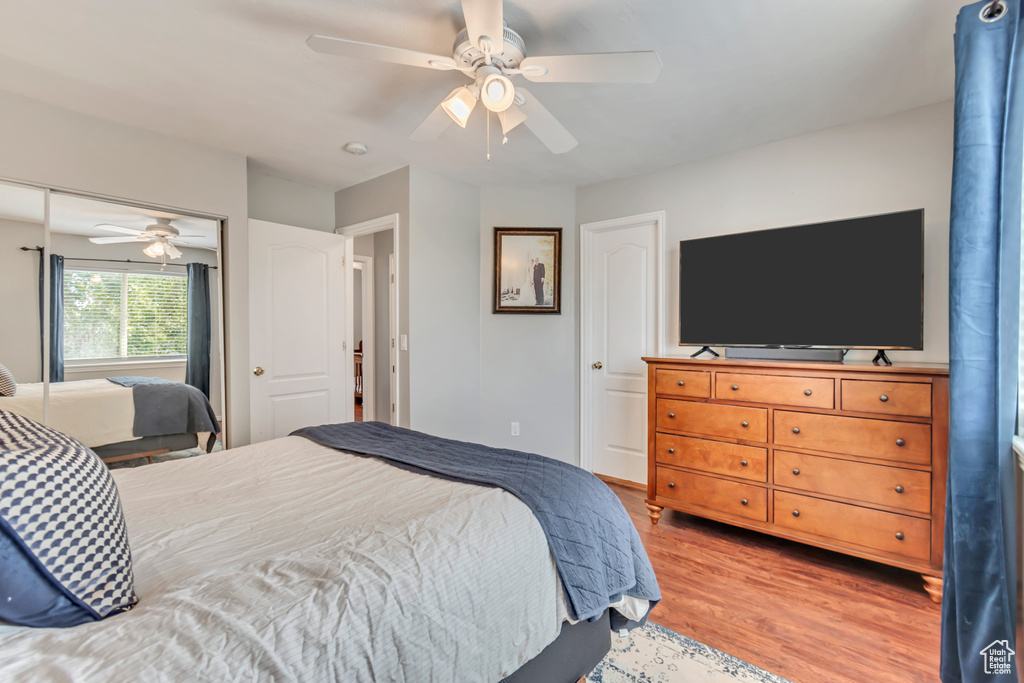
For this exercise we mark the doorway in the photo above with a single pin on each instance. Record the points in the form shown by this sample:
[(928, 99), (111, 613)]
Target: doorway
[(622, 320), (374, 245)]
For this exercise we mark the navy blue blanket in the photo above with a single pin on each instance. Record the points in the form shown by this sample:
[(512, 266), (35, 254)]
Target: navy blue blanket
[(163, 407), (596, 547)]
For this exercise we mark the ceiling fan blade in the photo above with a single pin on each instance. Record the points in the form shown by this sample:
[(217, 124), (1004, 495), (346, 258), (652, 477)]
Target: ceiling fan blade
[(117, 240), (117, 228), (485, 20), (603, 67), (436, 123), (379, 53), (544, 125)]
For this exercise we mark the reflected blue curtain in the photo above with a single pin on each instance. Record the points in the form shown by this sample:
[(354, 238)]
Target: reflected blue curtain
[(197, 367), (979, 601), (56, 318)]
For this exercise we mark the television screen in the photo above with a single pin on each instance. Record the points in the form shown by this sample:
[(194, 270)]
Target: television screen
[(856, 283)]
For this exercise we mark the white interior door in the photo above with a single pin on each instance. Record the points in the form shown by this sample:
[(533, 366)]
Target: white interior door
[(300, 360), (620, 300)]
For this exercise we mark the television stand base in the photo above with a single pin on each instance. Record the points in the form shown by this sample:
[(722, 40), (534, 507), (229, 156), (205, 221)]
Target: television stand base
[(783, 353), (704, 349), (880, 357)]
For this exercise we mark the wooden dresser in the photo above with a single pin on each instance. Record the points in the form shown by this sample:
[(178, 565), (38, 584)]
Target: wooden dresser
[(845, 456)]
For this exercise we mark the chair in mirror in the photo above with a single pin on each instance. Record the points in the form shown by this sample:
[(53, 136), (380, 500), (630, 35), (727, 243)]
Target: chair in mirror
[(127, 338)]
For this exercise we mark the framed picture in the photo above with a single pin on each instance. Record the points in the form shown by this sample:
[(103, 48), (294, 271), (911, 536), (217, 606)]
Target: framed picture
[(528, 270)]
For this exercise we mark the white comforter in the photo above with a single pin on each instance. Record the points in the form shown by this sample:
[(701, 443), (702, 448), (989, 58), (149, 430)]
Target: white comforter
[(94, 411), (289, 561)]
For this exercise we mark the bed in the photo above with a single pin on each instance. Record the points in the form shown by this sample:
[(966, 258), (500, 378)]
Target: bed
[(292, 561), (102, 415)]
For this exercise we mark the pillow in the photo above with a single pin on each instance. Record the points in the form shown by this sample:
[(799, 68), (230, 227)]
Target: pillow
[(7, 384), (64, 555)]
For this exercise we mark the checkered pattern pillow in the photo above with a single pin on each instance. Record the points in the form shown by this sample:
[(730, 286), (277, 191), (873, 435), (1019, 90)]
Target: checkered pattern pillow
[(7, 383), (60, 507)]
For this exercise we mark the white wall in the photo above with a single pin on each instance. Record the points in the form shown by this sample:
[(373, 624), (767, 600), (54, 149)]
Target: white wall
[(444, 305), (528, 367), (61, 148), (382, 246), (284, 201), (20, 333), (890, 164), (382, 196)]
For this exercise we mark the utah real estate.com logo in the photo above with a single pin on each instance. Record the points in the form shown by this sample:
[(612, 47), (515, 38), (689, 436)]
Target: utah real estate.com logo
[(998, 657)]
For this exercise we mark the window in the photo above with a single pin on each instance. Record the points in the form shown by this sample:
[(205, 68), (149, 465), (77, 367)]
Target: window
[(124, 315)]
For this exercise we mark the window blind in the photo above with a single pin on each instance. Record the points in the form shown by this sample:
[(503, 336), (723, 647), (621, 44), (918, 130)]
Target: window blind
[(124, 315)]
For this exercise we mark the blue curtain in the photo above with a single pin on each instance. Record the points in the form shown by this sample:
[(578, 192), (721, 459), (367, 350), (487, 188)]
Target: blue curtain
[(56, 318), (197, 367), (979, 601)]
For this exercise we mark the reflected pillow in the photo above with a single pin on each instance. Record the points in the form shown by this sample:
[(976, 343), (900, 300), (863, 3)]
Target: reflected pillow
[(7, 384), (63, 538)]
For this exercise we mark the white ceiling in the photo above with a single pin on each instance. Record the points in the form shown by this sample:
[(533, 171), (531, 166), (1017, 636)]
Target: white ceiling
[(237, 75)]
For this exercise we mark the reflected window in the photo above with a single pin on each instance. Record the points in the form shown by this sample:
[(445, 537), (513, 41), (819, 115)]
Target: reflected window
[(110, 315)]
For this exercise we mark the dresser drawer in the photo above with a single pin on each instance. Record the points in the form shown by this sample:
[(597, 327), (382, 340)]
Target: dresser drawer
[(683, 383), (885, 531), (744, 462), (882, 439), (890, 398), (807, 392), (731, 497), (734, 422), (876, 484)]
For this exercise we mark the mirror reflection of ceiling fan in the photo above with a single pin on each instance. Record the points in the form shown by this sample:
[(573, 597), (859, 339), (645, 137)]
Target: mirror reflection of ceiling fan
[(488, 52), (162, 238)]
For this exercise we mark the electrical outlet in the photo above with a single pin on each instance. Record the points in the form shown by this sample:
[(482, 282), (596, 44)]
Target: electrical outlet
[(515, 429)]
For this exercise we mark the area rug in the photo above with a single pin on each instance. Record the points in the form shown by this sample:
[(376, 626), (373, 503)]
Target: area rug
[(655, 654)]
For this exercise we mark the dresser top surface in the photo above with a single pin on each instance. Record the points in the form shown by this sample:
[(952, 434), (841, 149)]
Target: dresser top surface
[(845, 366)]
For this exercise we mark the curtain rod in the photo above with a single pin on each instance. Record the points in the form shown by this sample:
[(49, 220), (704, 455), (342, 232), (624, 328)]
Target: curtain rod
[(111, 260)]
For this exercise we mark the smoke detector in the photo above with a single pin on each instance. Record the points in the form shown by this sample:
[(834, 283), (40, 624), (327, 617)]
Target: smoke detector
[(356, 148)]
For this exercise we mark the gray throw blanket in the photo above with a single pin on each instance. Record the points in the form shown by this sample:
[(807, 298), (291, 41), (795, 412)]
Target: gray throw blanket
[(163, 407), (596, 547)]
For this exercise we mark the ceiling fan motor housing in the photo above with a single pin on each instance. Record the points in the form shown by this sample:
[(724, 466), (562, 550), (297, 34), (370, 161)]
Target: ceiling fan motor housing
[(468, 54)]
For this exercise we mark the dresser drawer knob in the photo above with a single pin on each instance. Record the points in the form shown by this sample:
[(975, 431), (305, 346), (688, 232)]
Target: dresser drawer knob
[(796, 513), (671, 414), (807, 392), (745, 423), (735, 387), (681, 383), (901, 442), (899, 489), (671, 484), (796, 430), (744, 501), (796, 472), (743, 463), (671, 450), (883, 398), (899, 536)]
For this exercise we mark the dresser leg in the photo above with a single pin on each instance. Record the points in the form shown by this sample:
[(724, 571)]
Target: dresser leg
[(933, 585), (655, 512)]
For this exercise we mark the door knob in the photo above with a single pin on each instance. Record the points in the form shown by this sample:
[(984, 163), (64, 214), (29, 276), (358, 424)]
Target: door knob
[(597, 366), (257, 371)]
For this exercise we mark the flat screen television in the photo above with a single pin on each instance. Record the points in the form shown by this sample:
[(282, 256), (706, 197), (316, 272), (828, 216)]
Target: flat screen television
[(848, 284)]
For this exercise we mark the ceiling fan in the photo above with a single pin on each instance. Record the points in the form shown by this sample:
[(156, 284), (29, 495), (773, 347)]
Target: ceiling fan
[(161, 235), (489, 53)]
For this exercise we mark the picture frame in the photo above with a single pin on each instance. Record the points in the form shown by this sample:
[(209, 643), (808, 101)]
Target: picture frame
[(528, 260)]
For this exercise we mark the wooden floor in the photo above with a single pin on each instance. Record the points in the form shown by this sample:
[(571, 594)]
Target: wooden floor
[(806, 614)]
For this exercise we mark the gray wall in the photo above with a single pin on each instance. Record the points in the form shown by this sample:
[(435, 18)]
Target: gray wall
[(60, 148), (889, 164), (383, 247), (283, 201), (375, 198), (528, 367), (444, 305)]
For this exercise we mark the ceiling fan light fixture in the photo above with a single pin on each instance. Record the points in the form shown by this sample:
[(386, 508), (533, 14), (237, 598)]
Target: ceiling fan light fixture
[(497, 92), (154, 250), (459, 105)]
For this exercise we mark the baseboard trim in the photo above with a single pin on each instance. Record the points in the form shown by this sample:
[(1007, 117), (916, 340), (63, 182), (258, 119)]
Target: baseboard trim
[(621, 482)]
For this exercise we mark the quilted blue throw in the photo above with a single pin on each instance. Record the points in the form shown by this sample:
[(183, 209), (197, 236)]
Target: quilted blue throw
[(596, 547)]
